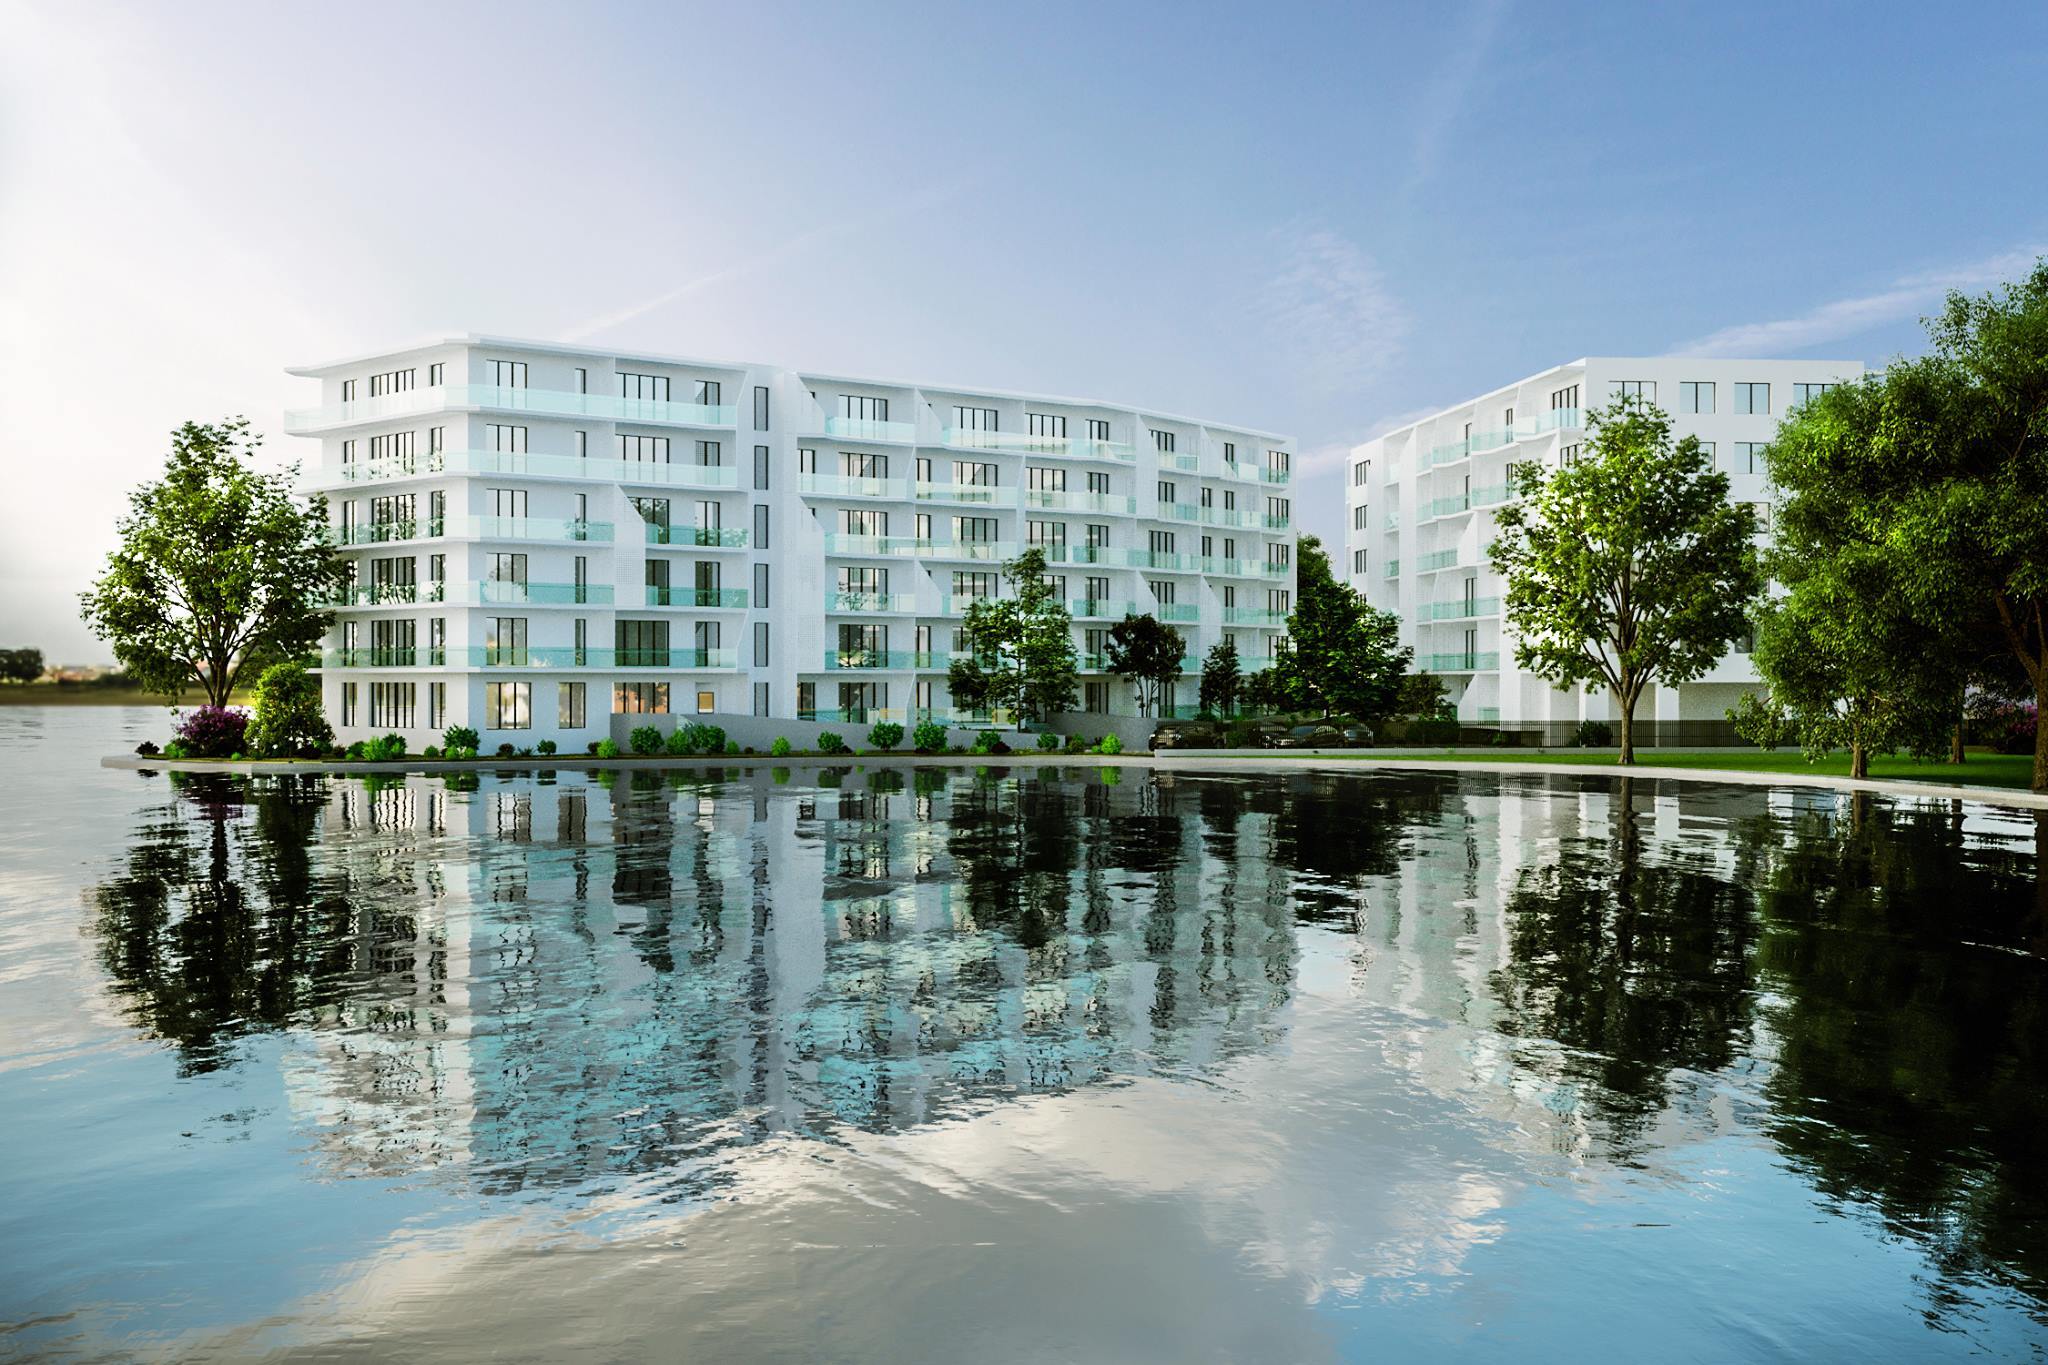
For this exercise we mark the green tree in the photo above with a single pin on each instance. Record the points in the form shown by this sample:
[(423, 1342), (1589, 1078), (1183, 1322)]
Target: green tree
[(1339, 653), (287, 719), (1970, 527), (21, 665), (1148, 653), (1846, 656), (1220, 678), (1423, 696), (1020, 649), (219, 568), (1628, 567)]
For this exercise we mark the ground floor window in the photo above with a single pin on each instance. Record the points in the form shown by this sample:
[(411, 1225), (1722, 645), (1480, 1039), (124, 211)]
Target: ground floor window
[(1095, 698), (707, 702), (391, 705), (640, 698), (437, 706), (806, 701), (572, 706), (508, 705), (348, 703)]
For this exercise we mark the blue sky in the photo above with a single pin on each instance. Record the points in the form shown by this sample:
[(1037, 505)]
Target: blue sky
[(1310, 219)]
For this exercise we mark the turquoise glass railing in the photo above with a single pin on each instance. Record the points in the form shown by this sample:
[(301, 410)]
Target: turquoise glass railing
[(1269, 475), (1392, 569), (1458, 610), (973, 494), (1437, 559), (1059, 501), (704, 537), (545, 402), (562, 656), (1181, 460), (480, 528), (852, 486), (1101, 608), (1461, 663), (870, 602), (858, 659), (869, 429), (1253, 616), (706, 598), (521, 464), (500, 592), (1017, 443), (1528, 429), (1177, 611)]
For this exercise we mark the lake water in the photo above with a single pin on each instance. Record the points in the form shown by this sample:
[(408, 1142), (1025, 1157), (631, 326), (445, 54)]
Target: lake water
[(1010, 1064)]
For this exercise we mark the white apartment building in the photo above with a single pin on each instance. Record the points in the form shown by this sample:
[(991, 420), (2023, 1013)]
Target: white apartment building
[(1421, 503), (543, 537)]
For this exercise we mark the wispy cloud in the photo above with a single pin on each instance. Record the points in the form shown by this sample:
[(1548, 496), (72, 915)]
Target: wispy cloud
[(1329, 308), (1909, 296), (1447, 95), (915, 203)]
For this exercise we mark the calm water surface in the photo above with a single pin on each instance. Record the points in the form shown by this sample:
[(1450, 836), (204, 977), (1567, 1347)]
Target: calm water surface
[(1010, 1065)]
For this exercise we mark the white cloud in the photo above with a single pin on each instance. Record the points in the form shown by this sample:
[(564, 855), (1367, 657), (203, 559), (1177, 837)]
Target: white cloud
[(1907, 297), (1329, 309), (1452, 89)]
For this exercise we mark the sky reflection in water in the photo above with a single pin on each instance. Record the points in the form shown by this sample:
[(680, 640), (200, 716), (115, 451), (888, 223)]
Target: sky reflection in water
[(1046, 1064)]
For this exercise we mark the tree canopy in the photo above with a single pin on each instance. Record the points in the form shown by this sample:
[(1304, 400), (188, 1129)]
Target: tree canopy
[(1148, 652), (1628, 566), (219, 567), (21, 665), (1020, 649), (1340, 655), (1220, 678)]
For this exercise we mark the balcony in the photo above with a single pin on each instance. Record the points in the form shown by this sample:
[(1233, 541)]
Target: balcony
[(1557, 419), (1457, 503), (495, 592), (1271, 475), (967, 494), (1190, 463), (384, 595), (1392, 569), (1253, 616), (474, 528), (1058, 500), (870, 603), (708, 599), (1184, 612), (541, 402), (519, 464), (1439, 559), (703, 537), (1461, 662), (851, 486), (870, 660), (1018, 443), (1458, 610), (869, 429), (1101, 608)]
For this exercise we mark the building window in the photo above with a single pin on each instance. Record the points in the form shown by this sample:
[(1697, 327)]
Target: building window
[(1802, 392), (1098, 428), (1160, 542), (761, 409), (1098, 535), (1567, 455), (1167, 491), (391, 705), (645, 388), (1162, 590), (1281, 462), (706, 392), (974, 530), (348, 390), (396, 381), (1749, 457), (582, 380), (508, 374), (641, 644), (1695, 396), (974, 424), (1645, 389), (509, 440), (348, 703), (640, 698), (505, 641), (1358, 473), (710, 455), (1095, 698), (760, 525), (1567, 397), (1358, 561), (436, 374), (642, 449), (707, 702), (508, 705), (1162, 441), (760, 469), (1045, 533), (1753, 398), (1046, 425), (1040, 479), (972, 475), (1360, 515), (572, 705), (862, 409), (760, 644), (437, 706)]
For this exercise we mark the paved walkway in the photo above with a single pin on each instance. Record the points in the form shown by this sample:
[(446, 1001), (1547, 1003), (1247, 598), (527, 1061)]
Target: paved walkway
[(1193, 760)]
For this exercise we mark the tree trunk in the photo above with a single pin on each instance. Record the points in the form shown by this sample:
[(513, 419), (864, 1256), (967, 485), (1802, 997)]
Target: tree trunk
[(1859, 757), (2041, 732), (1628, 729), (1955, 748)]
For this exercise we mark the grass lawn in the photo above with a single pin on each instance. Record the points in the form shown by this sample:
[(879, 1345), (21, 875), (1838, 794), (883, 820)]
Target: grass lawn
[(1984, 768)]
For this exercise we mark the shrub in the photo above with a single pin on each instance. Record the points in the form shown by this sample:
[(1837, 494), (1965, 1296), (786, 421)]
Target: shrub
[(606, 749), (460, 737), (213, 731), (1110, 744), (929, 737), (1076, 745), (1048, 741), (286, 721), (697, 738), (886, 734), (146, 749), (1501, 740), (645, 739), (176, 749), (780, 748), (591, 747), (506, 750), (358, 750), (1435, 730), (732, 746), (1595, 734), (431, 751), (385, 750), (546, 746), (989, 742), (829, 742), (678, 740), (458, 751)]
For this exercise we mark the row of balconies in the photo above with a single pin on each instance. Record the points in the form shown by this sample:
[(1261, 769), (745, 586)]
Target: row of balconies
[(543, 656), (847, 545)]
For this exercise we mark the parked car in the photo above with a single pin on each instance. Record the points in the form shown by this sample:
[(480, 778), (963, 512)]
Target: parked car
[(1355, 735), (1187, 734), (1311, 737)]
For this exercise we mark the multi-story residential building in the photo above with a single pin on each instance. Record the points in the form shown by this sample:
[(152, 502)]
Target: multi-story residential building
[(544, 536), (1420, 506)]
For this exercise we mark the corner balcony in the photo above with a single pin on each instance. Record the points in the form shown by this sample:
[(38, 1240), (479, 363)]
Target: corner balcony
[(869, 429), (518, 464), (852, 486), (491, 398), (871, 603), (702, 537), (701, 599)]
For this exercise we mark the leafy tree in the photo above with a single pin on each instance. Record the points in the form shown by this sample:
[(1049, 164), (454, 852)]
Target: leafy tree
[(1020, 650), (1969, 527), (1628, 567), (219, 568), (1423, 696), (1148, 652), (287, 718), (1846, 656), (1260, 691), (1220, 678), (21, 665), (1339, 653)]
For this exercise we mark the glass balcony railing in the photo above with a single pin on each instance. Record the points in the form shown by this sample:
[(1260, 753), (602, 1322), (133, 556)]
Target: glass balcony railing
[(519, 463), (496, 592), (709, 599), (1182, 460), (1556, 419), (1439, 559), (1461, 662), (1058, 500), (1392, 521), (385, 595), (949, 605), (476, 528), (843, 543), (1272, 522), (1177, 611), (1465, 502), (704, 537), (852, 486), (1271, 475), (1019, 443), (1458, 610), (1253, 616), (869, 429), (837, 660), (1179, 511), (969, 494), (1101, 608), (544, 402), (870, 603), (1392, 569)]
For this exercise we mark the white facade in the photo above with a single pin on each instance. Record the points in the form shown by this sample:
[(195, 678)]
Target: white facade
[(1420, 517), (544, 535)]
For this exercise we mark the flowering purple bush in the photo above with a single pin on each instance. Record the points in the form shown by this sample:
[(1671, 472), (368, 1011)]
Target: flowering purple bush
[(213, 731)]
